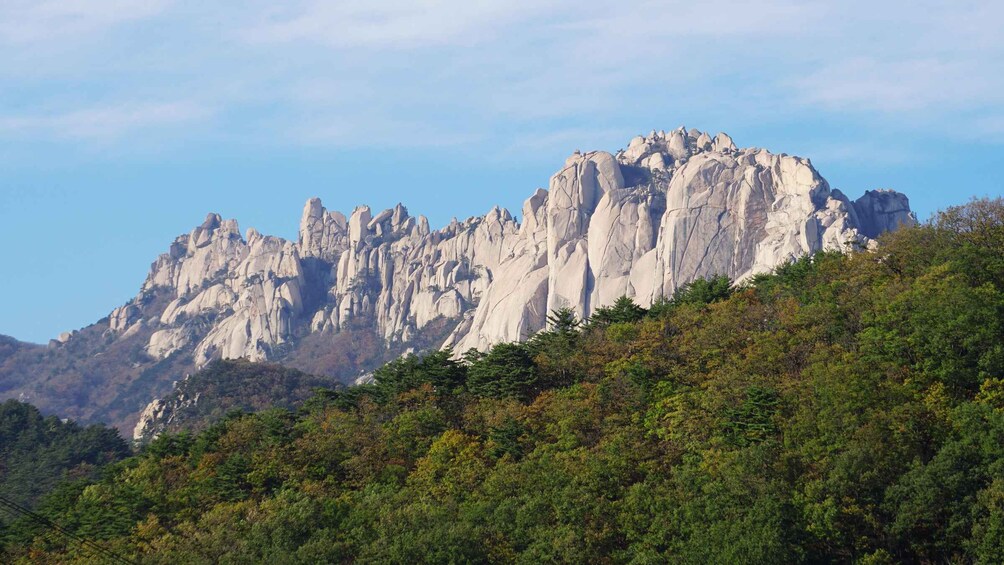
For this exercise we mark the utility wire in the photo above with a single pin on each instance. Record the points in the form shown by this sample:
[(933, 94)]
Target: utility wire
[(16, 508)]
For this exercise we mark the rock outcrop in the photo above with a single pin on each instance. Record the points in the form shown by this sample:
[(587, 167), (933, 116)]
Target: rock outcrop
[(201, 399), (671, 207)]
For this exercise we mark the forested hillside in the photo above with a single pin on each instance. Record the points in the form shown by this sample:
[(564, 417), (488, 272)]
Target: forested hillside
[(37, 453), (846, 408), (229, 385)]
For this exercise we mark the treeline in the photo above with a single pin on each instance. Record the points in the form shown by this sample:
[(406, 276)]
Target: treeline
[(38, 453), (843, 409), (232, 385)]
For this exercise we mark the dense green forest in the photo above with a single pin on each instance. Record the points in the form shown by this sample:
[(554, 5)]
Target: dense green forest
[(37, 453), (843, 409)]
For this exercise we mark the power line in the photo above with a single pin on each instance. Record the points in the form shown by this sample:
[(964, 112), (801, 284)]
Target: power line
[(12, 506), (17, 508)]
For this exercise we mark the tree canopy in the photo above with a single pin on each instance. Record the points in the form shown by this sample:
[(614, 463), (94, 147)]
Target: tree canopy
[(842, 409)]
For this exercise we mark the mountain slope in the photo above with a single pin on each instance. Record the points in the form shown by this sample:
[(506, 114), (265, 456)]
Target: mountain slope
[(224, 386), (671, 207), (847, 408), (38, 452)]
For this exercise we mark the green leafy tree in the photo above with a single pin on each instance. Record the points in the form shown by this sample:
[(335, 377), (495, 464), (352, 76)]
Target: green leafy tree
[(506, 371), (623, 310), (698, 292), (845, 408), (437, 368), (553, 350)]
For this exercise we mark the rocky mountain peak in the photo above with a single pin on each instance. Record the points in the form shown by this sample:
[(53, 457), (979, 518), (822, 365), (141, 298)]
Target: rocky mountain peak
[(322, 234), (670, 207), (665, 152)]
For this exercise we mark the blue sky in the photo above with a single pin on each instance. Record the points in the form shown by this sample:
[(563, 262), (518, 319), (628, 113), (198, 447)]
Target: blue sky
[(123, 122)]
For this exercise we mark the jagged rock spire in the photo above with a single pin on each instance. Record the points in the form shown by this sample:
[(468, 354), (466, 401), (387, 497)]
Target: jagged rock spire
[(670, 207)]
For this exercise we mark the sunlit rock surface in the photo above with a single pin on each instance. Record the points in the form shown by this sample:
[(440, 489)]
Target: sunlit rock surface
[(671, 207)]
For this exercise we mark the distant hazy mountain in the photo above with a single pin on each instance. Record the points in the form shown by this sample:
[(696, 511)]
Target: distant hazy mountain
[(356, 290)]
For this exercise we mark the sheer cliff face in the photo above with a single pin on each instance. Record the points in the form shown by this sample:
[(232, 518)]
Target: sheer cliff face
[(671, 207)]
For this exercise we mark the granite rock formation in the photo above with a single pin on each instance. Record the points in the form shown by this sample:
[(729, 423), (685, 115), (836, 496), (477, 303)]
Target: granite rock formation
[(670, 207)]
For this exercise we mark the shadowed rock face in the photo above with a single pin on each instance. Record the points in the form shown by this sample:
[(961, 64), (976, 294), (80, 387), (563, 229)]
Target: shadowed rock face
[(671, 207)]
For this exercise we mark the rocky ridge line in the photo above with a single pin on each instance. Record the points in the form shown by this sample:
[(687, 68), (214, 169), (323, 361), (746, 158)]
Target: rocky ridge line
[(671, 207)]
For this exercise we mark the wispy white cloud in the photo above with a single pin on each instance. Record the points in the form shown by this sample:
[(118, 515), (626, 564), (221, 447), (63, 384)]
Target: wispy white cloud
[(562, 141), (104, 122), (928, 67), (648, 22), (861, 152), (392, 23), (497, 72), (867, 83), (26, 21), (374, 132)]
